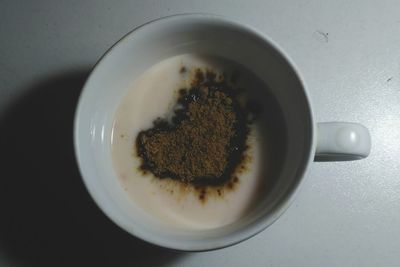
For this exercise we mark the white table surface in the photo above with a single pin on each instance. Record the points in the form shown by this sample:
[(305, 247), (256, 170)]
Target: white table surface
[(347, 213)]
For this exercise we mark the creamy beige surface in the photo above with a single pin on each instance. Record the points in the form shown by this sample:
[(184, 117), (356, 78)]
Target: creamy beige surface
[(153, 95)]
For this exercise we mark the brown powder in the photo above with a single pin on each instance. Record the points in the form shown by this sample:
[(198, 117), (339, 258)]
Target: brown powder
[(205, 140)]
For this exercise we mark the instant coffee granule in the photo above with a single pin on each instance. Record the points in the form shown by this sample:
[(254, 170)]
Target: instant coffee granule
[(205, 139)]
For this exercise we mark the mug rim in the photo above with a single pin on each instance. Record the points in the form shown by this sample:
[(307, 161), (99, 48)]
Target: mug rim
[(261, 224)]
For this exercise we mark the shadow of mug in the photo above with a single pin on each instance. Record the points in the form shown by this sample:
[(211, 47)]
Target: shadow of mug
[(47, 216)]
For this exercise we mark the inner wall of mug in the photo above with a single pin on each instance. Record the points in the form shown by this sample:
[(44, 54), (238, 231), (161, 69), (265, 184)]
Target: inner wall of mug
[(158, 41)]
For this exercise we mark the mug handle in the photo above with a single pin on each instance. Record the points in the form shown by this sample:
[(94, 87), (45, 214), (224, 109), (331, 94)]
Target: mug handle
[(341, 141)]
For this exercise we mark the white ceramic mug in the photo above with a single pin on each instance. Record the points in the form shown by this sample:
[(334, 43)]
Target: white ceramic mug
[(208, 34)]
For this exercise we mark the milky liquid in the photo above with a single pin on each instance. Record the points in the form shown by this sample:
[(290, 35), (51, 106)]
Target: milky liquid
[(153, 95)]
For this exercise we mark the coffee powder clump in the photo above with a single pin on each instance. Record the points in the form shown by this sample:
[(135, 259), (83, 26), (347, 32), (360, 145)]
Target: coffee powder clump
[(205, 139)]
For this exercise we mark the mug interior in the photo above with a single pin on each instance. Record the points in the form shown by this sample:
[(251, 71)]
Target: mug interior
[(150, 44)]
